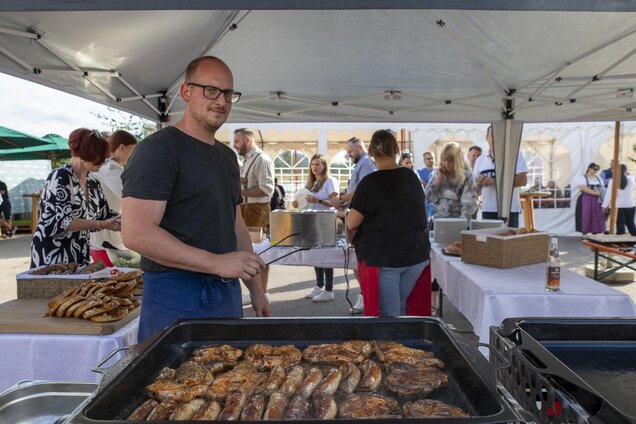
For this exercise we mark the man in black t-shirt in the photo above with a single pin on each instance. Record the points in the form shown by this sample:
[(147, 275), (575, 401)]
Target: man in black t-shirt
[(180, 210), (5, 209)]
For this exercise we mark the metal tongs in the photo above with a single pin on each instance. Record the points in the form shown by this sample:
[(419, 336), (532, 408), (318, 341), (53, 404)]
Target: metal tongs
[(305, 246)]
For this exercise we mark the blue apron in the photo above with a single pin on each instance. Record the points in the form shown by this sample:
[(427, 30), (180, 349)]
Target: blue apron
[(169, 296)]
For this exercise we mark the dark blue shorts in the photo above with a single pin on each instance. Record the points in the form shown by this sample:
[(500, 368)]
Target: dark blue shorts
[(169, 296)]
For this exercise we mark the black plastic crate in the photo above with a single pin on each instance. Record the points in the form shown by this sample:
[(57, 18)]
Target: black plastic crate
[(570, 371)]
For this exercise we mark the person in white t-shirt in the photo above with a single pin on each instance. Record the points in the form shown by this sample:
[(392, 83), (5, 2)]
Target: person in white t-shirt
[(323, 188), (484, 172), (624, 202)]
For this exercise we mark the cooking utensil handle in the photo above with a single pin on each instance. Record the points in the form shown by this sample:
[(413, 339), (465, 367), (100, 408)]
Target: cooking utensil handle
[(98, 367)]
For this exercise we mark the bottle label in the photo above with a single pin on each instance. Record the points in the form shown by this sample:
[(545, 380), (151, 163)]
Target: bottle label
[(554, 276)]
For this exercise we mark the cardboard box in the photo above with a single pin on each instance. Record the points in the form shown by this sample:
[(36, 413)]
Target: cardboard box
[(489, 248), (256, 234)]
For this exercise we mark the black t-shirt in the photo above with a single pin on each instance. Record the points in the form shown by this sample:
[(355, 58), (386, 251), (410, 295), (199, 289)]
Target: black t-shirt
[(3, 186), (394, 231), (200, 183)]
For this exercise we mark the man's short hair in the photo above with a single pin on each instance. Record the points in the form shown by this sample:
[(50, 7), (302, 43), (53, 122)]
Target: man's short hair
[(192, 66), (429, 153), (354, 140), (475, 148), (245, 131)]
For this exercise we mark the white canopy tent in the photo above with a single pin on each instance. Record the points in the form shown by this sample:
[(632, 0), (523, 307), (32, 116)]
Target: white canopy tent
[(366, 61)]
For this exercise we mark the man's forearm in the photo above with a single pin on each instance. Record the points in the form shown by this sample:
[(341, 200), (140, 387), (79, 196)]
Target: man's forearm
[(157, 244), (244, 243)]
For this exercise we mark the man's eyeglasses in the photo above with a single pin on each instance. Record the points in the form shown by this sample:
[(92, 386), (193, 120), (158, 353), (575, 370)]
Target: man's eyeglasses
[(213, 93)]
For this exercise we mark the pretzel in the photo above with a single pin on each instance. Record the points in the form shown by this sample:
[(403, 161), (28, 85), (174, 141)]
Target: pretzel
[(127, 276), (87, 305), (114, 315), (69, 302), (107, 307)]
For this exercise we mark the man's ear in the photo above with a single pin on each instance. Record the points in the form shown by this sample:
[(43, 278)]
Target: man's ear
[(185, 91)]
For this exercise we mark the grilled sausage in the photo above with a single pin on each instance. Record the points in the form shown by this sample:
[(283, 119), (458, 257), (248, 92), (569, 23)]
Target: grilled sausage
[(254, 407), (186, 411), (298, 408), (350, 377), (234, 403), (276, 407), (329, 384), (208, 412), (307, 387), (294, 378), (143, 410), (325, 407), (162, 411), (276, 378), (371, 376)]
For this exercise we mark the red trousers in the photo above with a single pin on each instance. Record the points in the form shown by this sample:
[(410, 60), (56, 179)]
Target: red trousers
[(417, 304)]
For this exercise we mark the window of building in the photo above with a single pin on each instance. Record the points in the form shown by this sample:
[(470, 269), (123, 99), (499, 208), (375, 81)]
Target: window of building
[(341, 168), (291, 168)]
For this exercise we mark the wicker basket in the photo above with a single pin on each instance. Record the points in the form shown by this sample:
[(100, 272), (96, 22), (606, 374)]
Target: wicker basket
[(45, 288), (487, 247)]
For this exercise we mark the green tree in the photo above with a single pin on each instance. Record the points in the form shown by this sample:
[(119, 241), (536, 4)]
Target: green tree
[(119, 120)]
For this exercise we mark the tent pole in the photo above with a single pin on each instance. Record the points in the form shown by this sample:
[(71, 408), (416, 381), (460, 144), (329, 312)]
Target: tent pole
[(616, 181)]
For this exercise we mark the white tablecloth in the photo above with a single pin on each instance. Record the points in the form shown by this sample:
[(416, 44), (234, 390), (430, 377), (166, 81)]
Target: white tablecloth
[(59, 357), (486, 296), (440, 264), (324, 257)]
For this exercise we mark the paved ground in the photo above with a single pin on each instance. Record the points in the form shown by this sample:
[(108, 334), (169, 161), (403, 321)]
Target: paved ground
[(288, 285)]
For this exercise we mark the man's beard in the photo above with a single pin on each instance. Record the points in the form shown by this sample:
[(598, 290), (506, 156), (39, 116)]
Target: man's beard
[(211, 127)]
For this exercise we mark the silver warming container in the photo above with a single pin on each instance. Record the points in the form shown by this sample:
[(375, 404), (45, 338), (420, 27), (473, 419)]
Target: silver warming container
[(314, 228)]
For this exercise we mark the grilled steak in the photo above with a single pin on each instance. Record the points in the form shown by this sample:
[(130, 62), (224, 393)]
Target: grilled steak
[(338, 354), (264, 357), (389, 352), (429, 408), (223, 354), (368, 406), (408, 380)]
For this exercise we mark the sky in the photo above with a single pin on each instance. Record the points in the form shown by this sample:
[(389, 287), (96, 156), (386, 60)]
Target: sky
[(38, 110)]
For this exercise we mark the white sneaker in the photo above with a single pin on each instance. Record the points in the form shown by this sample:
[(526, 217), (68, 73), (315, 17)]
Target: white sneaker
[(313, 293), (323, 296), (359, 305), (247, 299)]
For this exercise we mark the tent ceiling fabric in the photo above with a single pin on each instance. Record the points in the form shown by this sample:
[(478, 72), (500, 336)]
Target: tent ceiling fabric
[(420, 65)]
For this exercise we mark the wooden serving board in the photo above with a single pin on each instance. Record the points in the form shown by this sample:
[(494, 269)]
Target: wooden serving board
[(24, 316)]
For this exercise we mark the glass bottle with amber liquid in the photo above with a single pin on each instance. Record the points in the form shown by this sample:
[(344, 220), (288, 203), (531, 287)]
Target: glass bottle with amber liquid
[(553, 277)]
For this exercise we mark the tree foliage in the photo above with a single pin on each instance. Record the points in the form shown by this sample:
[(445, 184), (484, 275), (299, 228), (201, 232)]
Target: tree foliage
[(118, 120)]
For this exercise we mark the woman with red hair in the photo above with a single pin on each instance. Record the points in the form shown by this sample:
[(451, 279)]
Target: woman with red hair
[(72, 204)]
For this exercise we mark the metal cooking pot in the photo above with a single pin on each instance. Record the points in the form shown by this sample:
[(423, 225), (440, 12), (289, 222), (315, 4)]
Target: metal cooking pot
[(312, 228)]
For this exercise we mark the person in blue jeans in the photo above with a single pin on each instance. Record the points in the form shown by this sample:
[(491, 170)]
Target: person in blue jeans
[(425, 175), (391, 240), (181, 211)]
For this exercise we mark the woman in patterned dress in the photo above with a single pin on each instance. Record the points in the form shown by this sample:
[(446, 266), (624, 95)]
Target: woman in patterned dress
[(72, 204)]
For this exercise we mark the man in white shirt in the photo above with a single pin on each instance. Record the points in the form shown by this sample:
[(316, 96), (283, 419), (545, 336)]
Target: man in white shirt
[(257, 186), (484, 172)]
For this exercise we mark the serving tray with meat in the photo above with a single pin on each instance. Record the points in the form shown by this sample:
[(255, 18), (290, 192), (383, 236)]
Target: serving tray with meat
[(293, 369)]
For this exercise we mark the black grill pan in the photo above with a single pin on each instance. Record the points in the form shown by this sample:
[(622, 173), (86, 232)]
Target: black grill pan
[(471, 386), (571, 370)]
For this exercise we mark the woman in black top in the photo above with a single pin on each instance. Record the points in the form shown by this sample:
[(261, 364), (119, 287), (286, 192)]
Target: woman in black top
[(391, 241), (72, 204)]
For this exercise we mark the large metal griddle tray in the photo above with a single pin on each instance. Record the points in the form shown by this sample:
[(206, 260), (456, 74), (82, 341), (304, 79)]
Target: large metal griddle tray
[(473, 383), (560, 334)]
